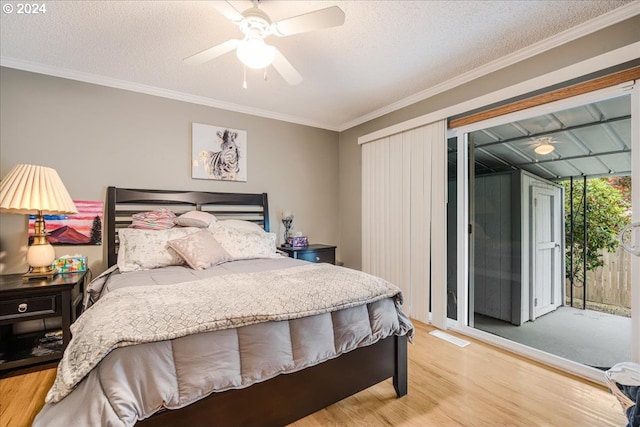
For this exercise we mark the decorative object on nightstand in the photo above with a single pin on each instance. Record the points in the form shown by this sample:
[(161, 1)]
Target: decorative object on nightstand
[(70, 264), (29, 189), (312, 253), (287, 220), (297, 241)]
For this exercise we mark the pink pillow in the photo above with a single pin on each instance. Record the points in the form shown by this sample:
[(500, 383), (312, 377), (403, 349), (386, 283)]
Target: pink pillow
[(160, 219), (200, 250)]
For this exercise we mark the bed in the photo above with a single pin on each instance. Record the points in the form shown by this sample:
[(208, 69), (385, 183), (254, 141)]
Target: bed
[(277, 392)]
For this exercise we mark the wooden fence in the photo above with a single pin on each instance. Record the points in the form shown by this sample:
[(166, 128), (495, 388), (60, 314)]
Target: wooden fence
[(611, 283)]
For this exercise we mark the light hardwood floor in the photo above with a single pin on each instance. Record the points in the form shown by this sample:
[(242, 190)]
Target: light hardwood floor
[(477, 385)]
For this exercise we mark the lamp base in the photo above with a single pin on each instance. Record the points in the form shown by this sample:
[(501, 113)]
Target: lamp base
[(40, 273)]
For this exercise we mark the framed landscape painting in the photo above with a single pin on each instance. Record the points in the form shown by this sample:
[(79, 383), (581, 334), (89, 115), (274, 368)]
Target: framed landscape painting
[(83, 228), (218, 152)]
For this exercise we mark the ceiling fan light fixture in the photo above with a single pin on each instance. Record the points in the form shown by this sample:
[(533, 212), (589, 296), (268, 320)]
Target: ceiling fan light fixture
[(544, 148), (255, 53), (256, 26)]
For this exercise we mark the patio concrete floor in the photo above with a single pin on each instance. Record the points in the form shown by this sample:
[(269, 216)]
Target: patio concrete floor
[(589, 337)]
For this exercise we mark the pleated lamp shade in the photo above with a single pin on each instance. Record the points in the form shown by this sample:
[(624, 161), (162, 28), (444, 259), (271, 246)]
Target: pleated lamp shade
[(28, 189)]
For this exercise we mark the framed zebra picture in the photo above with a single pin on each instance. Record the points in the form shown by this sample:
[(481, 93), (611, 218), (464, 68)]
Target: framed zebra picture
[(218, 153)]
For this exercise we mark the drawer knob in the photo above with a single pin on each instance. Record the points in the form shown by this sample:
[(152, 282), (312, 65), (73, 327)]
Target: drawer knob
[(317, 258), (22, 307)]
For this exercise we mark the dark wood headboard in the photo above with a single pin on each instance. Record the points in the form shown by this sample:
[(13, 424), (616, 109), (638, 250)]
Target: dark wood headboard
[(122, 203)]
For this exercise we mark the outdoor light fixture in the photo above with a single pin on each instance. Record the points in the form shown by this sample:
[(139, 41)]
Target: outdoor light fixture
[(544, 146)]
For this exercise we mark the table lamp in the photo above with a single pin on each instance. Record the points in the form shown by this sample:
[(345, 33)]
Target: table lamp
[(29, 189)]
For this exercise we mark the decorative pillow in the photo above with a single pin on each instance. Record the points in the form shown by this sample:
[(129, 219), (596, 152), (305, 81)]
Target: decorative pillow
[(159, 219), (195, 219), (200, 250), (242, 225), (243, 244), (147, 249)]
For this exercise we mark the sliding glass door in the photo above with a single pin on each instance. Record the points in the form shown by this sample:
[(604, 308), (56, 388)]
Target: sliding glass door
[(540, 199)]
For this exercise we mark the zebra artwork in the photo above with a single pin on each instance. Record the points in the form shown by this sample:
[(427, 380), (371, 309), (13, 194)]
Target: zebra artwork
[(223, 164)]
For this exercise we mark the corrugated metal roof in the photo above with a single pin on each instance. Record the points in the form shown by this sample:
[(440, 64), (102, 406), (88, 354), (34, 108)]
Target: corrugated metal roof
[(589, 140)]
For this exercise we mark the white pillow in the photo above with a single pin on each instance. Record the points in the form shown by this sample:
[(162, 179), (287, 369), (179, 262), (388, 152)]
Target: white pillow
[(200, 250), (241, 225), (243, 244), (147, 249), (195, 219)]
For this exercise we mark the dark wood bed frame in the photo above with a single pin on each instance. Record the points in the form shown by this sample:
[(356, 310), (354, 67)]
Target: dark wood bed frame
[(287, 397)]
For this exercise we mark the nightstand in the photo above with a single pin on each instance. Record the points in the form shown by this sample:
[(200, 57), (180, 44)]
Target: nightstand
[(312, 253), (37, 299)]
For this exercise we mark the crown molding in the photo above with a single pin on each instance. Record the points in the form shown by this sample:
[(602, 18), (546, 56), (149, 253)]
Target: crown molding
[(617, 15), (66, 73), (587, 66)]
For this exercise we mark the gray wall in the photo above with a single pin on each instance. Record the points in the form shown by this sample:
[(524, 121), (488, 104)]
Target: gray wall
[(605, 40), (96, 136)]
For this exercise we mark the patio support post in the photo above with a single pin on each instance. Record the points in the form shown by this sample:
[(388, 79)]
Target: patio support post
[(584, 243), (571, 275)]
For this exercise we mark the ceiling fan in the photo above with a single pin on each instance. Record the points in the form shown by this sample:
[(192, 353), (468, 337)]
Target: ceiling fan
[(257, 26), (544, 145)]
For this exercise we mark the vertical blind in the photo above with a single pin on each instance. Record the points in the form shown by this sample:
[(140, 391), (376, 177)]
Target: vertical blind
[(403, 215)]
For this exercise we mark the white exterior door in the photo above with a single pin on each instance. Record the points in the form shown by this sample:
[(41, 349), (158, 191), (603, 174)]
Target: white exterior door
[(547, 272)]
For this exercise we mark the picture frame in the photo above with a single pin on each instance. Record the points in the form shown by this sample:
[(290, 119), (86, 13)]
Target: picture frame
[(83, 228), (218, 153)]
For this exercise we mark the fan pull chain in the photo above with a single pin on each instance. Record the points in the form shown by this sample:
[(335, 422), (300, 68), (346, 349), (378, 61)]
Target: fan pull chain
[(265, 75), (244, 81)]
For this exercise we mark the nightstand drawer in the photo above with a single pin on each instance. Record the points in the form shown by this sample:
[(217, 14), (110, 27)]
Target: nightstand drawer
[(312, 253), (25, 307), (318, 256)]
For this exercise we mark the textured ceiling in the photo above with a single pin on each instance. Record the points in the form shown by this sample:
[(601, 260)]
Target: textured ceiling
[(386, 52)]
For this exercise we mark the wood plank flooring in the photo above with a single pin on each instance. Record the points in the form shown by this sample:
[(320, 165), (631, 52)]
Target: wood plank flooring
[(22, 397), (477, 385)]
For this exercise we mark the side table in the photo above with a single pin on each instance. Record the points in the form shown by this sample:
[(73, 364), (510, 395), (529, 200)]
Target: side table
[(37, 299)]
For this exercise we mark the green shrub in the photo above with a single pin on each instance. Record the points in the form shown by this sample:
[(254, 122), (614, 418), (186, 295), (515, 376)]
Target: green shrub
[(608, 210)]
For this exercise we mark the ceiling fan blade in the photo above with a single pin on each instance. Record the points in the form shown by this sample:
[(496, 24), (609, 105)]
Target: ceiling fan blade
[(317, 20), (285, 69), (229, 12), (212, 52)]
